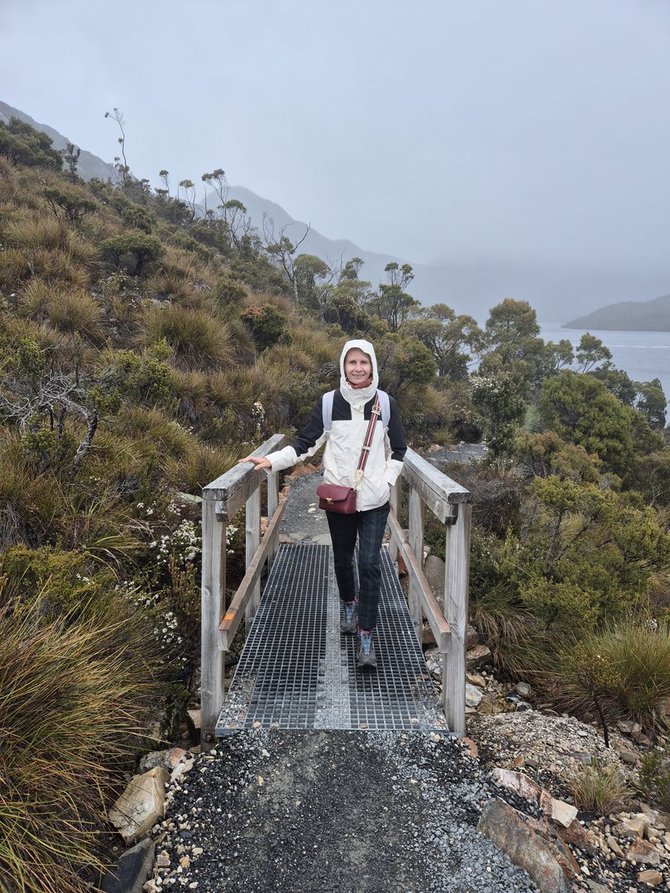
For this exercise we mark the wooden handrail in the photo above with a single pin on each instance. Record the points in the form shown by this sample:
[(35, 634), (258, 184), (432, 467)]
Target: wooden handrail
[(233, 616)]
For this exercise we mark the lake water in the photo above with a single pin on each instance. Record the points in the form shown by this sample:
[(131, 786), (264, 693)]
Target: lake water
[(643, 355)]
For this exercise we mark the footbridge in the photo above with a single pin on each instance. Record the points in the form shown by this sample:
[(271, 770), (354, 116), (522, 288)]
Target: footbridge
[(296, 670)]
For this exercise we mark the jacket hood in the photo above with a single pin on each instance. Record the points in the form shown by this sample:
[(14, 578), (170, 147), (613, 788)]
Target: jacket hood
[(357, 395)]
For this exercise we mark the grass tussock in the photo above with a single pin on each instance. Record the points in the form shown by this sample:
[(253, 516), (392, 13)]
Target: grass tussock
[(201, 466), (72, 698), (197, 339), (623, 671), (600, 788), (76, 312)]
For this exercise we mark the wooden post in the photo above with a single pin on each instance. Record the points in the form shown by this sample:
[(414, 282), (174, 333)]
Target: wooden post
[(253, 538), (273, 502), (394, 499), (416, 544), (212, 659), (457, 572)]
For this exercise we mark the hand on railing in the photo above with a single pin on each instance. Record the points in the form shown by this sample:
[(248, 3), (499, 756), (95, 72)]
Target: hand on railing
[(259, 461)]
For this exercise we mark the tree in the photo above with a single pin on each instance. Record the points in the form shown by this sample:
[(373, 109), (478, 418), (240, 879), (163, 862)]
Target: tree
[(651, 402), (71, 155), (133, 250), (448, 337), (120, 163), (590, 352), (581, 409), (22, 144), (500, 401), (512, 342), (281, 249), (313, 277), (68, 205), (392, 303)]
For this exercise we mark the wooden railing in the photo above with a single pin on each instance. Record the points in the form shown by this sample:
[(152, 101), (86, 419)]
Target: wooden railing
[(221, 501), (241, 487), (450, 503)]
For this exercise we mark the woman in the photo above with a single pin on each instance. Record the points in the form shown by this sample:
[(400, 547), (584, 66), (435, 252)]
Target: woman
[(350, 415)]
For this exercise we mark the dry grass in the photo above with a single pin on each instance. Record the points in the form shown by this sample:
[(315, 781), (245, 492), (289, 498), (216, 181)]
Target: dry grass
[(201, 466), (600, 788), (76, 312), (197, 339), (71, 699)]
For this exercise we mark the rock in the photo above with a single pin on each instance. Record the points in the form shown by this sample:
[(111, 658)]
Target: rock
[(594, 887), (651, 877), (473, 695), (576, 835), (509, 831), (632, 827), (664, 706), (628, 727), (434, 569), (643, 851), (627, 753), (140, 806), (517, 782), (168, 759), (479, 656), (563, 813), (523, 689), (613, 844), (471, 747), (472, 637), (133, 870), (475, 679)]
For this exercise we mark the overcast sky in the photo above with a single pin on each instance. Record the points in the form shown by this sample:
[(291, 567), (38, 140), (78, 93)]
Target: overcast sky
[(432, 129)]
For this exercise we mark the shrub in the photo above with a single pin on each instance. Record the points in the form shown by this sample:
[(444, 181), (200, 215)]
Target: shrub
[(600, 788), (22, 144), (72, 698), (132, 251), (267, 324), (621, 671), (197, 339)]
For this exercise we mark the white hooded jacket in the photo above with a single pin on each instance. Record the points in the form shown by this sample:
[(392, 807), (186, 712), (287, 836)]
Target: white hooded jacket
[(350, 418)]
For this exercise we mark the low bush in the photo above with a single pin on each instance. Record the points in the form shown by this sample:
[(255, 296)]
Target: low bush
[(600, 788)]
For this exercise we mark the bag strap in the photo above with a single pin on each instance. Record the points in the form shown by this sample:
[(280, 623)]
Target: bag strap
[(367, 443)]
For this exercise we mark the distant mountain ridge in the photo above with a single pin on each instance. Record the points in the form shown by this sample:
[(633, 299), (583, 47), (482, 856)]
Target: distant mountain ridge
[(556, 291), (628, 316)]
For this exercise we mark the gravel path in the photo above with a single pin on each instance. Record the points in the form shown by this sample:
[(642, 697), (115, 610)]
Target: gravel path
[(333, 811)]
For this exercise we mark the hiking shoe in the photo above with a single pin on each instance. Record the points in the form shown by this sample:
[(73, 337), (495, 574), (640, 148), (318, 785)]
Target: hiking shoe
[(366, 659), (349, 619)]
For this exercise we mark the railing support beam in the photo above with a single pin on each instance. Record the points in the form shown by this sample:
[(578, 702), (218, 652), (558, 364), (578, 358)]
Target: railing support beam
[(457, 573), (212, 659)]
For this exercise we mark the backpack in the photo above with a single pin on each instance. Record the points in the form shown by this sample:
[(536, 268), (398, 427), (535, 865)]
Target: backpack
[(327, 409)]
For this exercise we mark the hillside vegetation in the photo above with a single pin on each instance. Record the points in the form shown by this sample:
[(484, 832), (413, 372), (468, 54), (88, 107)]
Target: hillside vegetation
[(144, 350)]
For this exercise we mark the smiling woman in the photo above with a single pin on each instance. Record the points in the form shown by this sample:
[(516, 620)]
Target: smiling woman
[(362, 459)]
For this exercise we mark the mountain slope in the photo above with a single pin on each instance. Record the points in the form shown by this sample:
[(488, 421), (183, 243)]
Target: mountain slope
[(639, 316), (556, 291)]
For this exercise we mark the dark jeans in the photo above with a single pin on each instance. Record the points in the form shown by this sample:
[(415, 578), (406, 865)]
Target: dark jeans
[(369, 528)]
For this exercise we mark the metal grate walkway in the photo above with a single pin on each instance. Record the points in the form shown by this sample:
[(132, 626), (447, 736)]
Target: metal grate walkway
[(297, 671)]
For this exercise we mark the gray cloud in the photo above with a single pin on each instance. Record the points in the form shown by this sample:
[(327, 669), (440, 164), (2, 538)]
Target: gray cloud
[(525, 130)]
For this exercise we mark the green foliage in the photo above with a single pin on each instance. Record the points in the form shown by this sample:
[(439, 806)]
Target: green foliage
[(68, 205), (132, 251), (392, 303), (267, 324), (499, 398), (652, 402), (139, 378), (580, 409), (448, 337), (22, 144), (590, 352), (600, 788), (622, 670)]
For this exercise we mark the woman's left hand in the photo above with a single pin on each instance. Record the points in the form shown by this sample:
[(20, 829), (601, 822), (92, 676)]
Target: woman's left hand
[(259, 461)]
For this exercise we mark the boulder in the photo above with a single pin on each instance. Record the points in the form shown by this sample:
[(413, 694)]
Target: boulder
[(140, 806), (473, 695), (644, 852), (510, 832), (479, 656), (651, 877), (434, 569), (133, 870), (168, 759), (563, 813)]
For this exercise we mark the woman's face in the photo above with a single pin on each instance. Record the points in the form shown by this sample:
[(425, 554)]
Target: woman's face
[(357, 367)]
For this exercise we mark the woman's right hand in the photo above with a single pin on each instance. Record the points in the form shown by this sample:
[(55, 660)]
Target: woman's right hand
[(259, 461)]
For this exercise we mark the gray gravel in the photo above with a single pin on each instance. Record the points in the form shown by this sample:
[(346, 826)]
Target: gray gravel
[(333, 811)]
